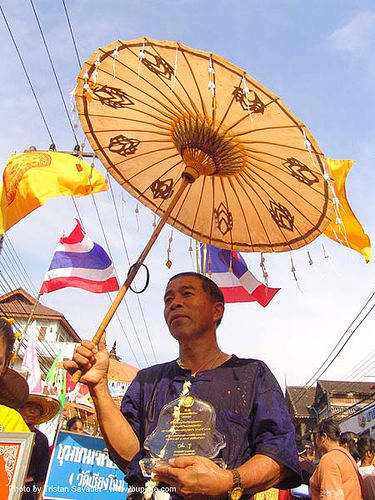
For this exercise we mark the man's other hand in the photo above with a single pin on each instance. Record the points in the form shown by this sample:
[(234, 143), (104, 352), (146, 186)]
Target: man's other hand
[(195, 475)]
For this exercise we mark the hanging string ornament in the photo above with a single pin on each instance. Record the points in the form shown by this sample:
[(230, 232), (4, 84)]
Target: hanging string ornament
[(86, 85), (115, 57), (73, 107), (330, 182), (141, 56), (96, 70), (136, 211), (175, 70), (246, 92), (293, 269), (263, 267), (294, 272), (325, 253), (169, 251), (311, 262), (197, 267), (211, 83)]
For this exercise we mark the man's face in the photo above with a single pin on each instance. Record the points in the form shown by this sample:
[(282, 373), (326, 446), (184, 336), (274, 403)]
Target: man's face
[(31, 413), (188, 309)]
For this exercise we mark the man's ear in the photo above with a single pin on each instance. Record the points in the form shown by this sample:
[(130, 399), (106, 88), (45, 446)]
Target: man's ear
[(218, 311)]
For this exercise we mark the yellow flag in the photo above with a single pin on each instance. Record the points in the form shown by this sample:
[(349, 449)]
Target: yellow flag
[(29, 179), (350, 231)]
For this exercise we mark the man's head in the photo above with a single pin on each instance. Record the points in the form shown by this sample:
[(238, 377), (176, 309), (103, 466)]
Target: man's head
[(31, 413), (39, 408), (192, 302)]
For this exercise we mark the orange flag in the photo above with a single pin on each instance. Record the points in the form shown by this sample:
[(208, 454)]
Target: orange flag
[(29, 179), (349, 232)]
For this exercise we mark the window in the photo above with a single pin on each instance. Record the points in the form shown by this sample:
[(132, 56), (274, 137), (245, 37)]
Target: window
[(42, 333)]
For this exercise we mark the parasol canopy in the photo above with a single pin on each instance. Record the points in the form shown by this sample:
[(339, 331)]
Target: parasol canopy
[(156, 112)]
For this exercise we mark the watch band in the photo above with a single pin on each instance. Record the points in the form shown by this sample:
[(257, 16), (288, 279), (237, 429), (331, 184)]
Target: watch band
[(236, 491)]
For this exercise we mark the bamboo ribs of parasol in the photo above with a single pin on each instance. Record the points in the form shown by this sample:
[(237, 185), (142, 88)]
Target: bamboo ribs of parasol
[(205, 146)]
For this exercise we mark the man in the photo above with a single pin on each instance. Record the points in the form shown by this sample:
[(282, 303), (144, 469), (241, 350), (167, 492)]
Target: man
[(260, 447), (39, 408)]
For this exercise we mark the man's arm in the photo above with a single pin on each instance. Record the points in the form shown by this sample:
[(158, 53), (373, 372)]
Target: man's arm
[(119, 436), (196, 475)]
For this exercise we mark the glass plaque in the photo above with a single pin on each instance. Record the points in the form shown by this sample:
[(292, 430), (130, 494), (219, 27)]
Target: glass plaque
[(186, 426)]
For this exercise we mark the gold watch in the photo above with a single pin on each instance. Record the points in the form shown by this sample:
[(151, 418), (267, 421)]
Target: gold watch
[(236, 492)]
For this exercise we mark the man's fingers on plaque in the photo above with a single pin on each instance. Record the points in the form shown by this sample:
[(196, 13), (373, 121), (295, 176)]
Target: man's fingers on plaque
[(182, 462)]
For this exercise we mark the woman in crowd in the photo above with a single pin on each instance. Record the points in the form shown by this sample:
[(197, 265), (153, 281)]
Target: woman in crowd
[(13, 387), (337, 476), (366, 450), (75, 424), (349, 441)]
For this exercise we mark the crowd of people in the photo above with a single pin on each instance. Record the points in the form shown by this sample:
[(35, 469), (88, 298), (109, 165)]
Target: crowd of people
[(21, 411), (247, 412)]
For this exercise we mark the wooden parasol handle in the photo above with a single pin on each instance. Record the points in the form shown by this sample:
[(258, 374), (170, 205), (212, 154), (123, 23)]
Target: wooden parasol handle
[(186, 180)]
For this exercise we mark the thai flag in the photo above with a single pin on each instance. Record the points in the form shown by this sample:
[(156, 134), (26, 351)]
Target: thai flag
[(229, 271), (79, 262)]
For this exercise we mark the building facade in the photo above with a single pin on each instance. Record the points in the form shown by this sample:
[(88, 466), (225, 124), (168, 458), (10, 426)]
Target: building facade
[(52, 331), (329, 399)]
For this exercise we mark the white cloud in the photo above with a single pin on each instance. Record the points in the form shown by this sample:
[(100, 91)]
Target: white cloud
[(356, 38)]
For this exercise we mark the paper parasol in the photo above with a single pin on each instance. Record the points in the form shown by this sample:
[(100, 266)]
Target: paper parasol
[(203, 145)]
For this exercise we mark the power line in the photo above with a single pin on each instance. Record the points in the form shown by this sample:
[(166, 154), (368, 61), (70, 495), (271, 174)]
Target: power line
[(71, 34), (26, 74), (53, 70), (348, 330), (17, 266)]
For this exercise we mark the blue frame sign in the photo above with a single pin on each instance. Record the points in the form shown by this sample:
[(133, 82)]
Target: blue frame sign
[(80, 468)]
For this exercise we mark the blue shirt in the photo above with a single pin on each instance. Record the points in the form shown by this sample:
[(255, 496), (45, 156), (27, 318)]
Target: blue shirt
[(250, 411)]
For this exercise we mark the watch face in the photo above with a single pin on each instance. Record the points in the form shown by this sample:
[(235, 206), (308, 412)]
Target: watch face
[(236, 493)]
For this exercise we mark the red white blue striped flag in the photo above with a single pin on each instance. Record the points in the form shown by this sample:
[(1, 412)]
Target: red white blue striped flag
[(79, 262), (229, 271)]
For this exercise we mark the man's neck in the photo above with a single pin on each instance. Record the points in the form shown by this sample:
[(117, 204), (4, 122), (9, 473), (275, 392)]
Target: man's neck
[(199, 356)]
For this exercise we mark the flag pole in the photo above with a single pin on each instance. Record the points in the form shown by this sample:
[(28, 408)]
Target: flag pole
[(23, 334), (187, 178)]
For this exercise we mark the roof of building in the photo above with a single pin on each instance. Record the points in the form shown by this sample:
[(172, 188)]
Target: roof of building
[(19, 304), (301, 399), (344, 387)]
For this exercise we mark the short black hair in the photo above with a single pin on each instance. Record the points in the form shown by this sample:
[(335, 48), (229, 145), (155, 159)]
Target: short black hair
[(209, 286), (365, 444), (72, 421)]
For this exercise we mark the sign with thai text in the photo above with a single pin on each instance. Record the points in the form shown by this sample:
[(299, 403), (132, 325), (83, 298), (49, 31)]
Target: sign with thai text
[(80, 468)]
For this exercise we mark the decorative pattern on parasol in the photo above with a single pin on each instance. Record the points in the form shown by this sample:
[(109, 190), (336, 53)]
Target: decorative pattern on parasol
[(157, 113)]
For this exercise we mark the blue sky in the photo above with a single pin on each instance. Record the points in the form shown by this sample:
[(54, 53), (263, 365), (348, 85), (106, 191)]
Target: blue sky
[(317, 56)]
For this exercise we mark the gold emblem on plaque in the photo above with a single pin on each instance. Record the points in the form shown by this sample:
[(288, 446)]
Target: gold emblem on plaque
[(188, 401)]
